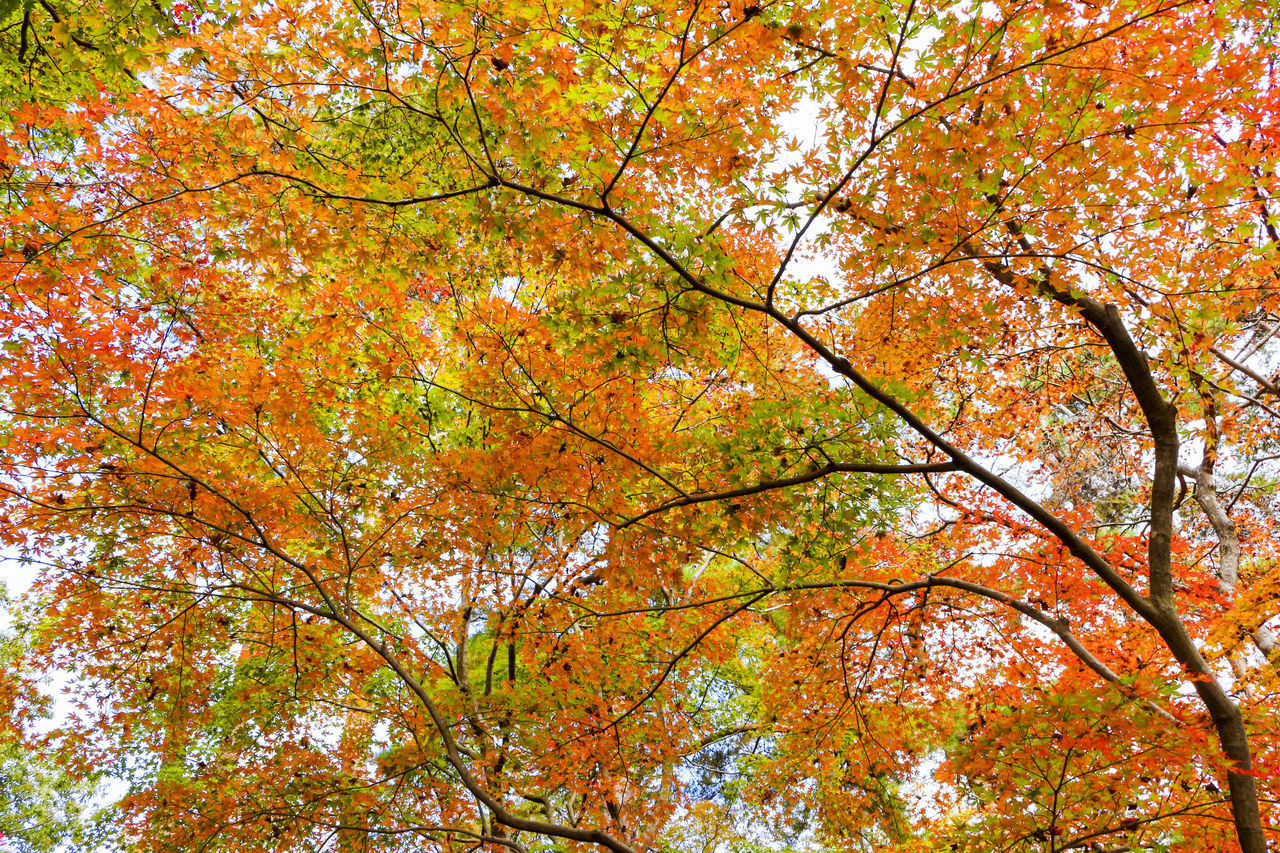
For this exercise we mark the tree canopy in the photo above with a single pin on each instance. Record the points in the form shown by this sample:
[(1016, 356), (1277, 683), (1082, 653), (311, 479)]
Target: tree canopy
[(616, 426)]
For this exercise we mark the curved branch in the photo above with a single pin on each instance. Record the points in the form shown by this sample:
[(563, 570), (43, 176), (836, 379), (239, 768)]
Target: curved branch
[(797, 480), (1059, 627)]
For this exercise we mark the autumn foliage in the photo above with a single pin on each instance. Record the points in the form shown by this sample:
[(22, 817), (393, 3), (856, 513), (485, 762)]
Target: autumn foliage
[(680, 426)]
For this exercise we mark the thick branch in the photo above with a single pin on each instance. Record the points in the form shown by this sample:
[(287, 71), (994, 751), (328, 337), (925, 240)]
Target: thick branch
[(1264, 383), (1206, 496), (799, 479), (1161, 609)]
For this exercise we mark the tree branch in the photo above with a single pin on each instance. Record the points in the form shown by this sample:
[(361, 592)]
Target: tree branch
[(799, 479)]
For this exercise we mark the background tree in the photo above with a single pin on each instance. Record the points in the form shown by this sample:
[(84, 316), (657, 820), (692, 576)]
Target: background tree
[(43, 806), (492, 425)]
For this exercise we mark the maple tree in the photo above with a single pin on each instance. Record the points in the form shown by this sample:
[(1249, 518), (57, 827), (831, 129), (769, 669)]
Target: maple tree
[(681, 426)]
